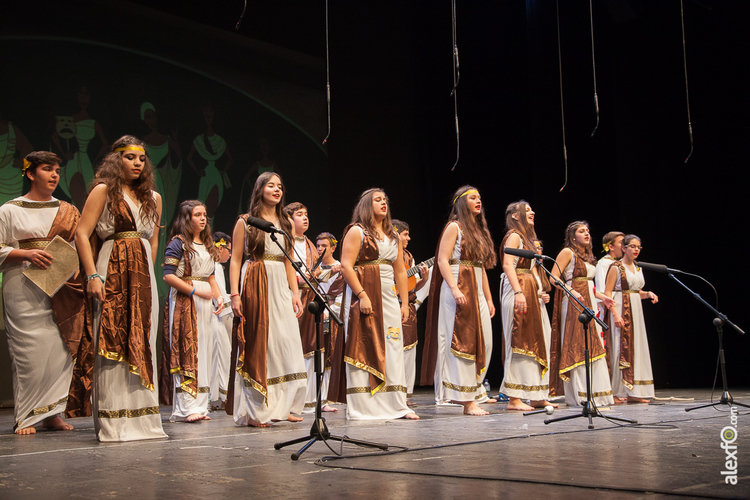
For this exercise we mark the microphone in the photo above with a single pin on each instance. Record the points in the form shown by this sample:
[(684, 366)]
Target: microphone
[(549, 409), (263, 225), (524, 254), (657, 268)]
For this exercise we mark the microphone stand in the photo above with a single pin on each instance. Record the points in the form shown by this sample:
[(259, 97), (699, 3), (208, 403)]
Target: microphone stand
[(718, 322), (589, 409), (319, 429)]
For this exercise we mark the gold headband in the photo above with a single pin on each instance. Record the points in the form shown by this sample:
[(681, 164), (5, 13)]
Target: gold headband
[(605, 246), (470, 191), (26, 165), (131, 147), (221, 243)]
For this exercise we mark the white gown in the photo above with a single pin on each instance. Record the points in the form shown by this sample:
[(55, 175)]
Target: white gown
[(575, 389), (125, 410), (643, 378), (41, 366), (523, 375), (285, 363), (600, 283), (455, 377), (221, 344), (184, 404), (390, 401)]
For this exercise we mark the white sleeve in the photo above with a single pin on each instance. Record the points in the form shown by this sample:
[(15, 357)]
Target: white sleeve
[(7, 243), (423, 292)]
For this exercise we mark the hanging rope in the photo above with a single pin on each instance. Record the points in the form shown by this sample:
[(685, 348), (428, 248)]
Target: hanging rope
[(562, 104), (687, 94), (456, 78), (242, 16), (593, 68), (328, 83)]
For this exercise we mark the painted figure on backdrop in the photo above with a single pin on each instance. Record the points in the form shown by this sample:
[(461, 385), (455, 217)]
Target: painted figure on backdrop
[(79, 170), (212, 150), (14, 146), (43, 332), (264, 164), (124, 211)]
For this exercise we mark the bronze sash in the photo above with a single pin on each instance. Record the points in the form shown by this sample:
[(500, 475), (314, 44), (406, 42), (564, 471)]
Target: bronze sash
[(307, 320), (125, 325), (527, 336), (409, 327), (468, 339), (335, 349), (627, 352), (179, 351), (566, 356)]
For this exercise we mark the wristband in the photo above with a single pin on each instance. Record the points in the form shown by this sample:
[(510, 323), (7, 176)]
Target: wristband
[(234, 295), (92, 276), (360, 292), (519, 291), (191, 293)]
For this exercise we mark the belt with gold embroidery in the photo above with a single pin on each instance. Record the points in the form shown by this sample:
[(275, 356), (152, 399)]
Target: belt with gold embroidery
[(468, 263), (629, 291), (194, 278), (127, 235), (271, 257), (523, 271), (375, 262), (33, 243), (583, 278)]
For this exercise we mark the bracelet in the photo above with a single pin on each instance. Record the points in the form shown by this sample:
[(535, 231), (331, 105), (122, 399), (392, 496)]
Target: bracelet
[(519, 291), (92, 276), (234, 295), (191, 293), (360, 292)]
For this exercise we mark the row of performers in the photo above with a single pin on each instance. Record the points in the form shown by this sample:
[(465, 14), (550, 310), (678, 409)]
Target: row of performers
[(108, 345)]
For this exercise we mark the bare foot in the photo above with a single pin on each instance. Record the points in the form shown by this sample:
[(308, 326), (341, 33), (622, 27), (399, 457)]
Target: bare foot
[(619, 401), (328, 408), (26, 431), (57, 423), (538, 403), (517, 404), (490, 400), (471, 408), (632, 399), (294, 418), (196, 417), (411, 416), (410, 403), (253, 423)]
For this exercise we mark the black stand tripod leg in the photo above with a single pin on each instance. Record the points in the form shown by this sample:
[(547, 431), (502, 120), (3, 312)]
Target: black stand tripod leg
[(359, 443)]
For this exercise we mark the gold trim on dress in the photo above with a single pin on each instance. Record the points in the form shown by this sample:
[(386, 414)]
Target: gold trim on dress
[(631, 291), (201, 390), (128, 413), (36, 243), (411, 346), (223, 391), (362, 366), (463, 355), (460, 388), (287, 378), (171, 261), (541, 361), (595, 394), (576, 365), (272, 257), (387, 388), (523, 270), (521, 387), (467, 263), (643, 382), (127, 235), (375, 262), (194, 278), (34, 204), (582, 278), (44, 409)]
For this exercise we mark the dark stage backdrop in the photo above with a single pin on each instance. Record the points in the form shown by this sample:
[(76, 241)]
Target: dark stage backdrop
[(392, 121)]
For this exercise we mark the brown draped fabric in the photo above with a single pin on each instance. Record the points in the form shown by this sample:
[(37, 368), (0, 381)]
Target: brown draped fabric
[(625, 363), (468, 338), (250, 332), (409, 327), (179, 350), (125, 325), (527, 337), (69, 309), (365, 343), (307, 320), (567, 355), (335, 349)]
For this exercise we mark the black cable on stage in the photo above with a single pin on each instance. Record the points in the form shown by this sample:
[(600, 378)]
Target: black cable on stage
[(242, 16), (684, 68), (593, 68), (562, 103), (328, 82), (456, 78)]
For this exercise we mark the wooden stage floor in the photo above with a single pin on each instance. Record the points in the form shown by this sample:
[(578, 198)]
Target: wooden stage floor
[(444, 455)]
